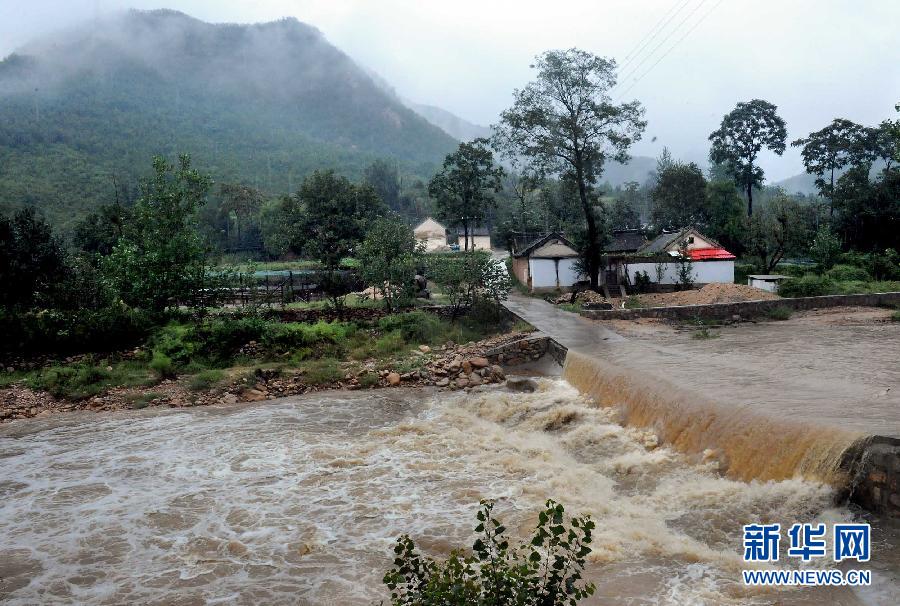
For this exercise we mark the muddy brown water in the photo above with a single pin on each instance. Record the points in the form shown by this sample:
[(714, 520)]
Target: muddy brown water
[(299, 501)]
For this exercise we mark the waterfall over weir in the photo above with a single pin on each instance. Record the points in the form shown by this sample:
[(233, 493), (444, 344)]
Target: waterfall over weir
[(748, 445)]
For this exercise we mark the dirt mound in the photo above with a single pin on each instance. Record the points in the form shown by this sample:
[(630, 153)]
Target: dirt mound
[(711, 293)]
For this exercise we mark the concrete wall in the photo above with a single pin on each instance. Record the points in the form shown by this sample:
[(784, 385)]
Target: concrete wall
[(769, 285), (877, 467), (475, 242), (746, 309), (704, 272), (550, 274)]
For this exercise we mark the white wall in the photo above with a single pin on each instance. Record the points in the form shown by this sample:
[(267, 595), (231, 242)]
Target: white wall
[(704, 272), (769, 285), (544, 273), (567, 274), (714, 271)]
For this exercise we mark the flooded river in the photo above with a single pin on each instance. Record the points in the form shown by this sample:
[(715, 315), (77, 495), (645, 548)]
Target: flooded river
[(300, 501)]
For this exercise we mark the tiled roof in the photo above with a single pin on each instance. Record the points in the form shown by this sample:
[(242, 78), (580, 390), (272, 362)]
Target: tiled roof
[(625, 240)]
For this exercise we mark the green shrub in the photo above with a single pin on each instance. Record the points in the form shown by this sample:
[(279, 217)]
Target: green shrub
[(285, 337), (415, 326), (633, 302), (545, 571), (162, 365), (368, 379), (65, 332), (205, 379), (810, 285), (390, 343), (324, 371), (780, 313), (843, 273), (75, 382), (142, 400), (895, 317)]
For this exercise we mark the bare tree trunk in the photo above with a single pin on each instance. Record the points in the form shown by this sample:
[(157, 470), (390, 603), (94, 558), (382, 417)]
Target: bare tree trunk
[(591, 252)]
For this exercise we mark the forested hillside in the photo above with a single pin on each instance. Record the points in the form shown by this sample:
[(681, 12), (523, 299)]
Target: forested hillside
[(265, 104)]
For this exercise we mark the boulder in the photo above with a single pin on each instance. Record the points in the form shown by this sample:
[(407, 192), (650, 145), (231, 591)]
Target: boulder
[(475, 379), (443, 382), (498, 371), (253, 395), (467, 367), (393, 379), (462, 382), (479, 362), (424, 348)]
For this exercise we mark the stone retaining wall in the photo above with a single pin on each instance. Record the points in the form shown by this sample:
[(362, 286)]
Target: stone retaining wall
[(521, 351), (878, 485), (746, 309)]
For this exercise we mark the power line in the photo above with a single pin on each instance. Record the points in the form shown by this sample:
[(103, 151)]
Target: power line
[(671, 48), (648, 37), (672, 32)]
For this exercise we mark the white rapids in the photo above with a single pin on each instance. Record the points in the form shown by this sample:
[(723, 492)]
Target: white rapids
[(301, 500)]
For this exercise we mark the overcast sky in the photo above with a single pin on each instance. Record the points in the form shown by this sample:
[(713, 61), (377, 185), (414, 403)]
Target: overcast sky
[(815, 59)]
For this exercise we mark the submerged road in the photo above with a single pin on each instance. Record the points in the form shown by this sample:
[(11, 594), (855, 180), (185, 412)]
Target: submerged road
[(835, 368)]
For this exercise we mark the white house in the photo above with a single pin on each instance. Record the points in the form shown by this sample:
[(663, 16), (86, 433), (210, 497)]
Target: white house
[(546, 264), (432, 234), (661, 258)]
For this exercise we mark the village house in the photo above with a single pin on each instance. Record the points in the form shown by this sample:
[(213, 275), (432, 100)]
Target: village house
[(660, 259), (546, 263), (432, 234), (479, 238)]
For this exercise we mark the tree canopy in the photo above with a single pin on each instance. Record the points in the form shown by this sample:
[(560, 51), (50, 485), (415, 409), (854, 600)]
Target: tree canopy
[(464, 185), (745, 131), (565, 123)]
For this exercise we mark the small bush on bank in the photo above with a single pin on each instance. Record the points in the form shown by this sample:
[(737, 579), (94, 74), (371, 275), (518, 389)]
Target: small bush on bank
[(324, 371), (205, 379), (415, 326), (545, 571), (85, 379), (844, 273), (162, 365), (809, 285)]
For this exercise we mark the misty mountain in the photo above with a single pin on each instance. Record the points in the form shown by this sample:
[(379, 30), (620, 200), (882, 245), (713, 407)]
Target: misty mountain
[(458, 128), (804, 183), (263, 104)]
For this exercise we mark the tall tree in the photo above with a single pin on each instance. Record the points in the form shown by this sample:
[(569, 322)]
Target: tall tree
[(679, 197), (778, 230), (160, 260), (463, 187), (565, 123), (829, 150), (239, 210), (32, 262), (745, 131), (727, 221), (385, 180), (336, 214)]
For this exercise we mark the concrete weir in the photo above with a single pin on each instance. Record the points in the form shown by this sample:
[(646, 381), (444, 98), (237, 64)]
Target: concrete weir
[(767, 401)]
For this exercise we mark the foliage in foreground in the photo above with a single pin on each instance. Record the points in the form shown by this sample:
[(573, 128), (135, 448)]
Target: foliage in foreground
[(545, 571)]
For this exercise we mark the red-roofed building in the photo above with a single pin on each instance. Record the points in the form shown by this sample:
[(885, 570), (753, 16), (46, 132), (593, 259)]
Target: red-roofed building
[(661, 257)]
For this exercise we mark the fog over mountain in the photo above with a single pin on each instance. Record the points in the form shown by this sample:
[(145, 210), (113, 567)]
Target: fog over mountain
[(815, 60), (263, 104)]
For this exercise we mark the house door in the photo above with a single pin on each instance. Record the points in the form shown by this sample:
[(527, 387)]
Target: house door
[(612, 277)]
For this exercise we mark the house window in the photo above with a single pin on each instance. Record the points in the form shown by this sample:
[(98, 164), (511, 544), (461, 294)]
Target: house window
[(690, 239)]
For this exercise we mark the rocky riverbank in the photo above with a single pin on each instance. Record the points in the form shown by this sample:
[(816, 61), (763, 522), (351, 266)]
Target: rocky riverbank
[(450, 366)]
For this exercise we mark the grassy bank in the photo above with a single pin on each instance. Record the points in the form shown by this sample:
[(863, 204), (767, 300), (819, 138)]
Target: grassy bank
[(205, 354)]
